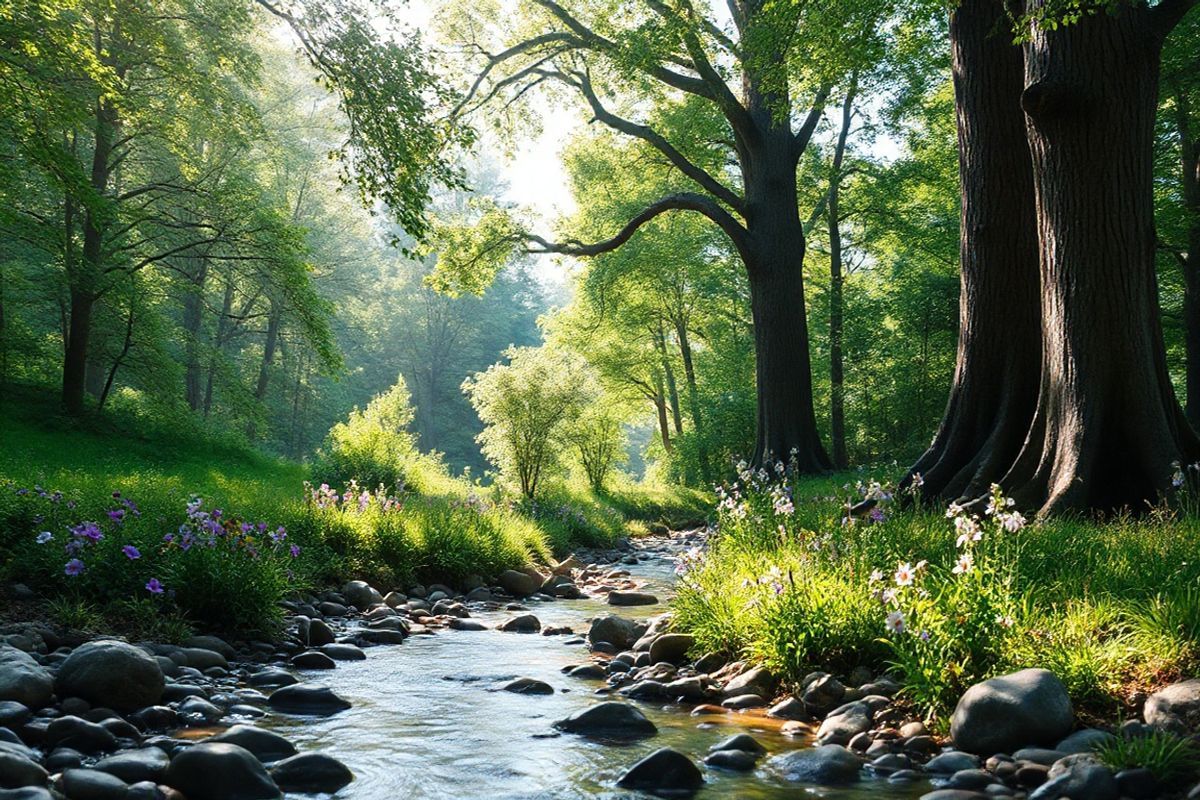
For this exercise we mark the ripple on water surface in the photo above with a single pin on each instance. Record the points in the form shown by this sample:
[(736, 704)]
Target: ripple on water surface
[(426, 721)]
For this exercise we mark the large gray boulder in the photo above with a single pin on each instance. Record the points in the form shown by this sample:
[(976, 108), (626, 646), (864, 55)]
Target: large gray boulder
[(1030, 707), (828, 765), (265, 745), (756, 680), (310, 773), (1083, 780), (610, 720), (22, 679), (133, 766), (671, 647), (517, 583), (111, 674), (304, 699), (844, 723), (17, 771), (620, 632), (664, 772), (1175, 708), (361, 594), (89, 784), (215, 771)]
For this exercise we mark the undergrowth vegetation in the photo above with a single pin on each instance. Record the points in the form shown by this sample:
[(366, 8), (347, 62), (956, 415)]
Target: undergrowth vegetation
[(943, 597)]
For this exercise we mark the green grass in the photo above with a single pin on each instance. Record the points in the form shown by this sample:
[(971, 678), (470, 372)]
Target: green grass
[(1172, 759), (1110, 606), (449, 531)]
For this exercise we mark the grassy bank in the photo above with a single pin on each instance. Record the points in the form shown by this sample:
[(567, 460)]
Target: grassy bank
[(126, 517), (946, 599)]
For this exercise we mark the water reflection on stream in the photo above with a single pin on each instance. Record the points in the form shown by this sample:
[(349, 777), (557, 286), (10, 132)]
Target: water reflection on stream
[(425, 723)]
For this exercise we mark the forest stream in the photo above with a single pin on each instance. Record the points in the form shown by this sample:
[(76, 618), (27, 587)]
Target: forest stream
[(428, 720)]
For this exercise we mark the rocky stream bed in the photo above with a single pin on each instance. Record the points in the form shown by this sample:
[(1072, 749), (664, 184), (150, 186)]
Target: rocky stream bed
[(569, 685)]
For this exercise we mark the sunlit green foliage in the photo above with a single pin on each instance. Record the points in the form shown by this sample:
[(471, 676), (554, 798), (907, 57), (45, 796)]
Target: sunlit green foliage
[(528, 406), (788, 583)]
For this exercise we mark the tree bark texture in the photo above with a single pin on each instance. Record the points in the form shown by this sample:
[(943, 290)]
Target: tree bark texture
[(1107, 427), (995, 385)]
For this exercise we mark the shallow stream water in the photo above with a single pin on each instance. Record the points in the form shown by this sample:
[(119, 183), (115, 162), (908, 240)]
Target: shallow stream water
[(427, 722)]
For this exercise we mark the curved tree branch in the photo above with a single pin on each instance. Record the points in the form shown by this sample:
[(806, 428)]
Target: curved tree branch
[(683, 201)]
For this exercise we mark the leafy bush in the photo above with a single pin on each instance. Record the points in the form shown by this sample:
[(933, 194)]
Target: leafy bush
[(527, 406), (599, 441), (373, 447)]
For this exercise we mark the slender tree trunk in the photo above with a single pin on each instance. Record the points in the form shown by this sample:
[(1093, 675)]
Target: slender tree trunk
[(3, 336), (1189, 173), (995, 385), (193, 317), (120, 359), (660, 404), (218, 344), (837, 381), (660, 342), (268, 360), (693, 391), (1108, 428)]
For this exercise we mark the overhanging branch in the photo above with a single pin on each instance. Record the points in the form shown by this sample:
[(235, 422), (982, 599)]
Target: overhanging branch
[(683, 201)]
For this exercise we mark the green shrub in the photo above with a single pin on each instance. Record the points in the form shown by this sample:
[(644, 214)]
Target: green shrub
[(373, 447)]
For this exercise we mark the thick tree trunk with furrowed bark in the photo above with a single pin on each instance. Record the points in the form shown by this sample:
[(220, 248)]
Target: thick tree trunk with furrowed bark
[(995, 383), (1107, 427)]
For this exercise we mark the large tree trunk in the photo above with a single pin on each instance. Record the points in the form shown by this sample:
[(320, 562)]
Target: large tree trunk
[(1108, 428), (774, 260), (837, 279), (995, 385)]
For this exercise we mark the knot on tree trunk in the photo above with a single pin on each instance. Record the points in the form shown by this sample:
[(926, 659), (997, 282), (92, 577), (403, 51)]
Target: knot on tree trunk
[(1045, 100)]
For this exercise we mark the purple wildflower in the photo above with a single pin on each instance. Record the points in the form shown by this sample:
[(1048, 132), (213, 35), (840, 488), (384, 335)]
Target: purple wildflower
[(117, 515), (87, 530), (153, 586), (295, 550), (73, 567), (131, 552), (44, 537)]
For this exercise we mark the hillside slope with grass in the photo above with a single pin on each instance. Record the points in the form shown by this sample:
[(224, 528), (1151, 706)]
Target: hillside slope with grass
[(130, 518)]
